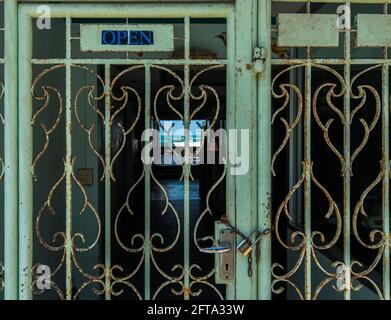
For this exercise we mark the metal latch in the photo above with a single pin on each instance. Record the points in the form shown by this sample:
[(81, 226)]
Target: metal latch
[(258, 64)]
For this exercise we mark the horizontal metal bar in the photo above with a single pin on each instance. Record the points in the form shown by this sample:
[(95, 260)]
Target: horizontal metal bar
[(146, 10), (131, 61), (338, 1), (329, 61)]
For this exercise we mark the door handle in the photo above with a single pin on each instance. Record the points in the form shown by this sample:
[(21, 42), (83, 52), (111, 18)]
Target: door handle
[(216, 250)]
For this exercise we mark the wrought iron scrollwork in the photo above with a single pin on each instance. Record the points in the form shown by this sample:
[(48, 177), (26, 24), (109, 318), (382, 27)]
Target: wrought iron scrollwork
[(300, 240)]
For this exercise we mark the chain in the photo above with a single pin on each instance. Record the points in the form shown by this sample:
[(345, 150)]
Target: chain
[(250, 265), (225, 221), (258, 247), (256, 243)]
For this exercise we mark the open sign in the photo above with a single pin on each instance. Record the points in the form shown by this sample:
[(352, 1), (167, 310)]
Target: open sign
[(130, 38)]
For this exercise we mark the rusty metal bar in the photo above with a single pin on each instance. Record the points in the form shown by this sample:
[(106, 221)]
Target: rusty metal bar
[(136, 10), (386, 180), (347, 158), (147, 191), (307, 183), (68, 160), (124, 62), (10, 151), (108, 170), (187, 165)]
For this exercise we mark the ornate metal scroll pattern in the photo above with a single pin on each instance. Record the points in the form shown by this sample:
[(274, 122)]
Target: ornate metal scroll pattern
[(93, 99), (362, 95), (377, 238), (133, 248), (298, 238), (332, 93), (202, 97), (111, 270), (124, 98), (45, 97), (170, 98), (79, 243), (175, 279), (204, 239), (285, 93), (58, 241)]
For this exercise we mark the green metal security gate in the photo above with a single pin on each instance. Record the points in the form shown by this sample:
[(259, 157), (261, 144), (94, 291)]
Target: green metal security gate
[(312, 90), (333, 217), (85, 113)]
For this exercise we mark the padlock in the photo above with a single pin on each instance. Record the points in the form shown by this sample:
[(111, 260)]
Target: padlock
[(245, 247)]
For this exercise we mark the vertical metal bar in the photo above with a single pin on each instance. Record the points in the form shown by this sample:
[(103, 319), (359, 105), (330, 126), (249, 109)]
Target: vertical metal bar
[(307, 183), (108, 169), (386, 179), (264, 151), (244, 115), (347, 157), (231, 120), (187, 168), (26, 159), (11, 150), (147, 191), (68, 162)]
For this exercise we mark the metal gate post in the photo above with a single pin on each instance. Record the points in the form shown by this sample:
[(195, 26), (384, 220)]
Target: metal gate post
[(245, 116), (264, 150), (11, 150), (25, 158)]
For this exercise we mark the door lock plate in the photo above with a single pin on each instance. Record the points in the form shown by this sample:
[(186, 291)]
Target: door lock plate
[(227, 259), (225, 262)]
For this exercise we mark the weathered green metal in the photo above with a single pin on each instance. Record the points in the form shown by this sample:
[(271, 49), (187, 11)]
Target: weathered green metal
[(28, 11), (68, 161), (386, 178), (231, 116), (11, 152), (347, 166), (311, 30), (249, 106), (264, 151), (147, 190), (307, 169), (135, 10), (245, 113), (25, 159), (108, 175), (373, 30), (187, 165)]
